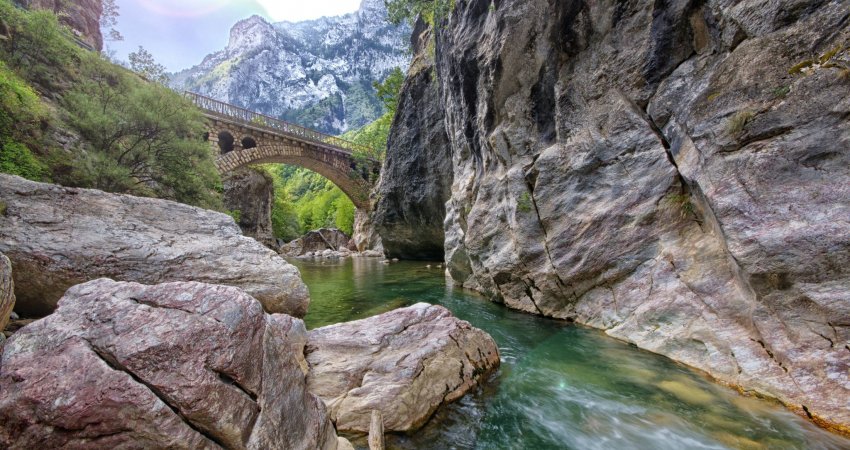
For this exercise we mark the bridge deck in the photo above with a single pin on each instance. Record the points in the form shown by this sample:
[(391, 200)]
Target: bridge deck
[(255, 120)]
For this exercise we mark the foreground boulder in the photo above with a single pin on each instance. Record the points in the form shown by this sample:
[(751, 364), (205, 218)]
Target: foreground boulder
[(57, 237), (317, 241), (405, 364), (178, 365), (7, 291)]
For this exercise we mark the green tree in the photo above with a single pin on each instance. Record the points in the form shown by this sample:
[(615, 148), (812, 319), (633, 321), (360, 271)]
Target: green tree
[(388, 90), (109, 20), (431, 11), (143, 63), (144, 138)]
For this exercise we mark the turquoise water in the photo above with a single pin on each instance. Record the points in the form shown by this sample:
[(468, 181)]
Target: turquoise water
[(560, 386)]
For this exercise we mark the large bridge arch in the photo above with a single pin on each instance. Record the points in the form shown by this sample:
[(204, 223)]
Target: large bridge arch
[(239, 137), (338, 167)]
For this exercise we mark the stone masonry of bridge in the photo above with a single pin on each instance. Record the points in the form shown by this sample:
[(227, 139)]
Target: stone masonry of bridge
[(240, 138)]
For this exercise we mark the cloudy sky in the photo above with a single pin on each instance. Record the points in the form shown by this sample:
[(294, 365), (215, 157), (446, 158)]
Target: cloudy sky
[(180, 33)]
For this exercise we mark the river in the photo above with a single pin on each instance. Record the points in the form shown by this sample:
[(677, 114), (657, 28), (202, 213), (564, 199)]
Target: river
[(560, 386)]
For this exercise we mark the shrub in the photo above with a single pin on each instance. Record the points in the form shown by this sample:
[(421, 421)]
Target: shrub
[(738, 121)]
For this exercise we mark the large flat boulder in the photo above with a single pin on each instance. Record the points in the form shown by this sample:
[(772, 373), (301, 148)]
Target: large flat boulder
[(57, 237), (405, 363), (7, 291), (177, 365)]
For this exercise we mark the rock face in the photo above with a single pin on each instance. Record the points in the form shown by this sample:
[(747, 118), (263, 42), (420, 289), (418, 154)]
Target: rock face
[(7, 291), (676, 173), (83, 16), (57, 237), (251, 192), (417, 173), (404, 363), (317, 73), (178, 365), (316, 241)]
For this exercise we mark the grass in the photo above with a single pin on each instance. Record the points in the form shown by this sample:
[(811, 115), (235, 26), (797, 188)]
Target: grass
[(738, 121), (524, 203)]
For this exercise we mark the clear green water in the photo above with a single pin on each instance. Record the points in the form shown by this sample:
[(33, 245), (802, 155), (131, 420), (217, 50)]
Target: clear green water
[(560, 386)]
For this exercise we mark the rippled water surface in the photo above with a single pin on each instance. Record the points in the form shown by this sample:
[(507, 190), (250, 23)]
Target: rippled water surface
[(560, 385)]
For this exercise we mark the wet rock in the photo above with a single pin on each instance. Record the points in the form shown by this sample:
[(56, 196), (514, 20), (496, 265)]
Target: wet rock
[(177, 365), (57, 237), (317, 241), (404, 363), (7, 291), (675, 173), (251, 193)]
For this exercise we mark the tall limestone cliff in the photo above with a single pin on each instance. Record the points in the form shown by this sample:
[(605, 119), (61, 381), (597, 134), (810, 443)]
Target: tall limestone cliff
[(676, 173), (416, 175), (317, 73)]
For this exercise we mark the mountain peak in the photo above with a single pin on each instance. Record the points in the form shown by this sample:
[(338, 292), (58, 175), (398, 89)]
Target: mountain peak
[(250, 33)]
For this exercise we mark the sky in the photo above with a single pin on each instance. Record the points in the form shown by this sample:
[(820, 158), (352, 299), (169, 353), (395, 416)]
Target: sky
[(179, 33)]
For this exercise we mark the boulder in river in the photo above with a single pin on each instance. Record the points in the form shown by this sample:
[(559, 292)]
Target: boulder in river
[(317, 241), (404, 363), (57, 237), (177, 365)]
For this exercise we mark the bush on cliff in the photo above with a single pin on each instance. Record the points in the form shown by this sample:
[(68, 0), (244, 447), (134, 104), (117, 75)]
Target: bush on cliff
[(118, 132)]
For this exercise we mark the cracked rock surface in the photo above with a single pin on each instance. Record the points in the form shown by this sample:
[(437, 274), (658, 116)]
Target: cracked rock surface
[(177, 365), (404, 363), (7, 291), (57, 237), (676, 173)]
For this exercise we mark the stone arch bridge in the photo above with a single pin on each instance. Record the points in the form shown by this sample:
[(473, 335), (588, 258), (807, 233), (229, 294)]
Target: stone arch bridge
[(241, 137)]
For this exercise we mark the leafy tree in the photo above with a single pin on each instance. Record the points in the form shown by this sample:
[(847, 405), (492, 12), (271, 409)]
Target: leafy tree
[(431, 11), (135, 136), (388, 91), (143, 63), (109, 19), (145, 138)]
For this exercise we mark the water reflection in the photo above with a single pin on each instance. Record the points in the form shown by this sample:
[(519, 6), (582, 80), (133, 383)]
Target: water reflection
[(560, 386)]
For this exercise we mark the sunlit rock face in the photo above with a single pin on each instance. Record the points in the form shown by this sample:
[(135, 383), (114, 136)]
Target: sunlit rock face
[(676, 173), (83, 16), (57, 237), (317, 73)]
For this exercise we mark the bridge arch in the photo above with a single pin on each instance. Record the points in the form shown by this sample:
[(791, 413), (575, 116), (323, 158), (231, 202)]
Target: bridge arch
[(240, 137), (339, 169)]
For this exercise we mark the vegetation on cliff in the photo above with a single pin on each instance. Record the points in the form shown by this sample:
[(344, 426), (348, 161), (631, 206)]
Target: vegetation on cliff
[(71, 117)]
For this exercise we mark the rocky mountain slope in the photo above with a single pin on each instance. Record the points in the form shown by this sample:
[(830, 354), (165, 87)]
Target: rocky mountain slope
[(317, 73), (675, 173)]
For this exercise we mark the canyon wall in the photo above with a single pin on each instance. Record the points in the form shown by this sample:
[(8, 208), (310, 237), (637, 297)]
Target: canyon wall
[(82, 16), (676, 173)]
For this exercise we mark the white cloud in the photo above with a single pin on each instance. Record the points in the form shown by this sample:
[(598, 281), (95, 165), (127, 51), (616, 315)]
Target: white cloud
[(296, 10)]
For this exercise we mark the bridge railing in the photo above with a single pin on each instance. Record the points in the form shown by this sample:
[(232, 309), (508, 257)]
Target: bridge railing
[(257, 120)]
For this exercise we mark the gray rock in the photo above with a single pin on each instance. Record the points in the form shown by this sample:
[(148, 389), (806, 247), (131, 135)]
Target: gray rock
[(318, 242), (7, 292), (417, 172), (177, 365), (251, 192), (661, 171), (57, 237), (404, 363)]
